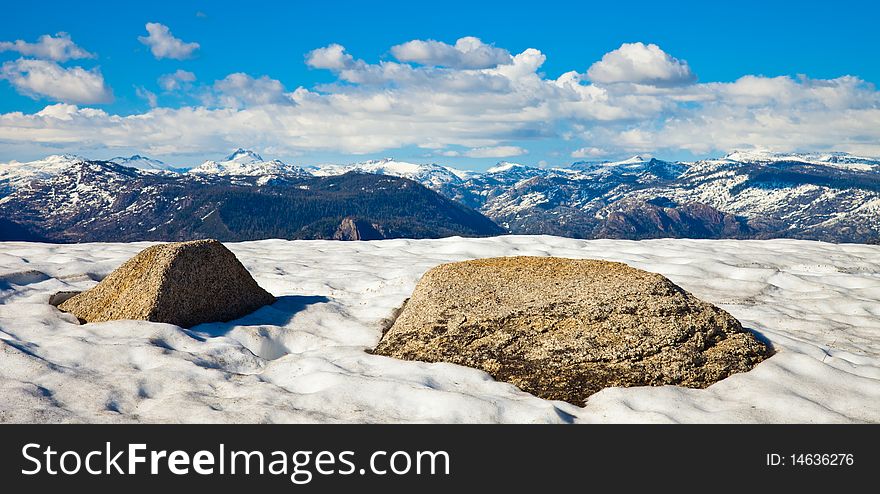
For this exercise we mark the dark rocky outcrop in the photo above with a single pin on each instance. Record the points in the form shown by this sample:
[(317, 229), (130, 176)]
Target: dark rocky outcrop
[(356, 229)]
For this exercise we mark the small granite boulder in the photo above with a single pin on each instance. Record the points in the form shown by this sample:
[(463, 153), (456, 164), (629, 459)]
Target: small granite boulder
[(564, 329), (185, 283)]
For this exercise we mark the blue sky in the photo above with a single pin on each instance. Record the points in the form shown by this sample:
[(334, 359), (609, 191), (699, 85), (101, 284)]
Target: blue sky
[(761, 74)]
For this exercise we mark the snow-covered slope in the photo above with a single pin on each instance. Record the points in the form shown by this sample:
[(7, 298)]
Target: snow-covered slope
[(431, 175), (304, 360), (831, 196), (14, 174), (142, 163), (98, 201), (243, 162), (834, 159), (645, 169), (592, 165), (444, 180), (812, 198)]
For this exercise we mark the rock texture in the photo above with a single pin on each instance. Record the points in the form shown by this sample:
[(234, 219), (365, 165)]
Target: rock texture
[(185, 283), (356, 229), (564, 329)]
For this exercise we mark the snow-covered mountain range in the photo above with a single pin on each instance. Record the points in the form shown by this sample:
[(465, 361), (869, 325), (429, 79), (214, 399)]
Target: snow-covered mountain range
[(69, 199), (246, 163), (745, 194), (823, 196)]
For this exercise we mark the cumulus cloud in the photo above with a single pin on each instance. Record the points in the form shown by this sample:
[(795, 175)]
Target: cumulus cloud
[(240, 90), (489, 112), (331, 57), (392, 74), (163, 44), (467, 53), (641, 64), (176, 80), (44, 78), (778, 114), (59, 48)]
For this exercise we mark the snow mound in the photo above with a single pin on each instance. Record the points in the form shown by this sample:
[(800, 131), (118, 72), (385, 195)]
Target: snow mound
[(304, 358)]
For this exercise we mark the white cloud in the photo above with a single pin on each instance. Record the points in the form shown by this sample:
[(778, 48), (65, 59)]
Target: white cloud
[(641, 64), (43, 78), (495, 152), (240, 90), (332, 57), (59, 48), (164, 45), (467, 53), (148, 95), (383, 106), (780, 114), (176, 80), (588, 152)]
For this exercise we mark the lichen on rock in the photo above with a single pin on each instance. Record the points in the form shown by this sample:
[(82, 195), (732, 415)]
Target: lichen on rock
[(183, 283), (564, 329)]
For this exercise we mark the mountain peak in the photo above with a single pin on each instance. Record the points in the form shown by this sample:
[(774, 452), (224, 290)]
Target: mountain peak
[(504, 166), (244, 162), (750, 155), (140, 162), (62, 157), (242, 154)]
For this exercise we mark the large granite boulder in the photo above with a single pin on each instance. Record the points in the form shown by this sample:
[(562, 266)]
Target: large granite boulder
[(185, 283), (564, 329)]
